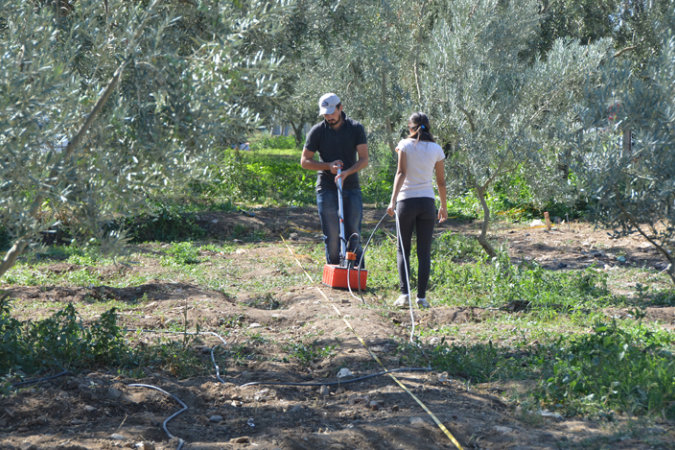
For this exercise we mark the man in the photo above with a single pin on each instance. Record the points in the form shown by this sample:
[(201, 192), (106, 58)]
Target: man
[(339, 140)]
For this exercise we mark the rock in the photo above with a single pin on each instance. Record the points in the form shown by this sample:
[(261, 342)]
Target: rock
[(114, 394), (353, 400), (501, 429), (553, 415), (261, 395), (417, 421), (344, 372), (215, 418), (118, 437)]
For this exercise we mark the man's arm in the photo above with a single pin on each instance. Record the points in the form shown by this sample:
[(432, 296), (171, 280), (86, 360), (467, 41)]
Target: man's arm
[(308, 162), (362, 163)]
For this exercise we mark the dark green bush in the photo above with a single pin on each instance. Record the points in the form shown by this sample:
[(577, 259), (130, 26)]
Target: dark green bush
[(165, 223), (5, 240), (267, 141), (59, 342)]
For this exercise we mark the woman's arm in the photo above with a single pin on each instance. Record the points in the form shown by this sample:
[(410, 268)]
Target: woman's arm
[(398, 181), (442, 191)]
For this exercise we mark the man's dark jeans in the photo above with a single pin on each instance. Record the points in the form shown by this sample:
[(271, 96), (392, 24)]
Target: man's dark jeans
[(352, 206)]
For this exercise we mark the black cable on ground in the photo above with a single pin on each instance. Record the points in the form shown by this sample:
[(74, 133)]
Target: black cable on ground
[(40, 380)]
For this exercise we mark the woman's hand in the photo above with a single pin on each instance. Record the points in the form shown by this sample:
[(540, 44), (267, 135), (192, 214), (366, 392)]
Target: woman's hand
[(442, 214), (390, 209)]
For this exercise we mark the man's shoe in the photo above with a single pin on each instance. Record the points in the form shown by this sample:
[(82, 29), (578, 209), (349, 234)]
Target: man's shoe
[(423, 303), (402, 301)]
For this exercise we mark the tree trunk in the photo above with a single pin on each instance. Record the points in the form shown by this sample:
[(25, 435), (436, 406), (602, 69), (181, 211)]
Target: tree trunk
[(297, 134), (482, 238), (388, 128), (12, 255)]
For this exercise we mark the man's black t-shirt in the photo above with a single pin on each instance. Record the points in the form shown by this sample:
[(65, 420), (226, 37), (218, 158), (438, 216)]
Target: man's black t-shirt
[(336, 144)]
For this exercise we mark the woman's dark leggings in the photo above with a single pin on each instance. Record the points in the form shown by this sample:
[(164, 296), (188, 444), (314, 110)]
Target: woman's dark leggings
[(415, 214)]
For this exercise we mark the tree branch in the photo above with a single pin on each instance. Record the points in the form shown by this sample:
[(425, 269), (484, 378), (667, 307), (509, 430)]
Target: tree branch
[(625, 50), (468, 117)]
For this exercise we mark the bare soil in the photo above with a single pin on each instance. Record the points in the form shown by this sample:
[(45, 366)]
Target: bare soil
[(101, 410)]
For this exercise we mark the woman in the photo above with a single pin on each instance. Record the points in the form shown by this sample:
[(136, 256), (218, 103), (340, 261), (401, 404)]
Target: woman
[(419, 158)]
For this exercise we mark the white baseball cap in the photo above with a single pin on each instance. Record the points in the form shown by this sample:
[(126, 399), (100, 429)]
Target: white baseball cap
[(327, 103)]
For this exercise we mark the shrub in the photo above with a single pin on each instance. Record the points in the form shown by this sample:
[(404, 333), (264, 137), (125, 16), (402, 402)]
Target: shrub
[(165, 224), (59, 342), (614, 369)]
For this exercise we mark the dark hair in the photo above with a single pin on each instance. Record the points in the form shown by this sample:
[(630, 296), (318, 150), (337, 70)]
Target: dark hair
[(419, 127)]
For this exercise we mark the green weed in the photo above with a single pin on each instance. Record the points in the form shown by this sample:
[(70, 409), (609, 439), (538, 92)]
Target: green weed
[(498, 283), (181, 254), (457, 247), (59, 342), (305, 353), (629, 370)]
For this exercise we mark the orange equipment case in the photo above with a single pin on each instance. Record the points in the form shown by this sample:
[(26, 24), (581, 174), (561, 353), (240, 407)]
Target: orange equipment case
[(335, 276)]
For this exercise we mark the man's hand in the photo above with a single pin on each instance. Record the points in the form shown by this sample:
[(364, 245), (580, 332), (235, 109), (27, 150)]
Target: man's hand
[(335, 165)]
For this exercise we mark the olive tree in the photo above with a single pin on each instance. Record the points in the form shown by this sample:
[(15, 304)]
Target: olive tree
[(495, 109), (105, 102), (625, 155)]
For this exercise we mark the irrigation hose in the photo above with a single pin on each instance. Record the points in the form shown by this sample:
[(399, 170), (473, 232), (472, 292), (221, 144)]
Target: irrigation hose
[(407, 277), (360, 265), (40, 380), (440, 425), (338, 382), (192, 333), (181, 442), (358, 270)]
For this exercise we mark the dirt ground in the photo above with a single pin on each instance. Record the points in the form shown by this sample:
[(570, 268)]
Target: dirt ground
[(100, 410)]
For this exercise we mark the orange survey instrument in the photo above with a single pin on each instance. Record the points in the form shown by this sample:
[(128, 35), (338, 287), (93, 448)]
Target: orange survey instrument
[(345, 275)]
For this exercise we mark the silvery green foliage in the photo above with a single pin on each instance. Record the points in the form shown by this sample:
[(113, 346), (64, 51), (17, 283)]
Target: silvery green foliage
[(163, 86), (495, 110), (633, 189)]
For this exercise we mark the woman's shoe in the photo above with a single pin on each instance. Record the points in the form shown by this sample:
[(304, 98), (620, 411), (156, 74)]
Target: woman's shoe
[(423, 303), (402, 301)]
